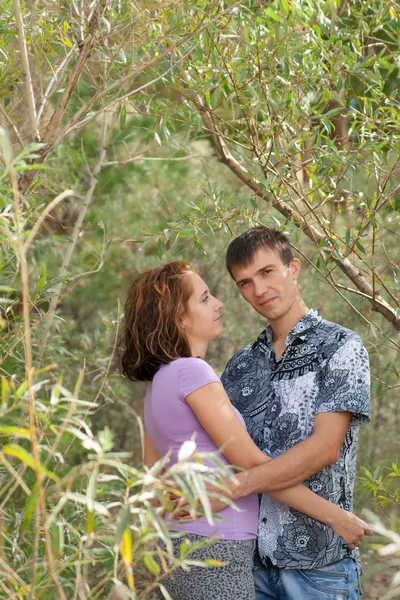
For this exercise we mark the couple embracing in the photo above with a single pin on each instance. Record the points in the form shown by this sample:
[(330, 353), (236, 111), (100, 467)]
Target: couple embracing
[(286, 410)]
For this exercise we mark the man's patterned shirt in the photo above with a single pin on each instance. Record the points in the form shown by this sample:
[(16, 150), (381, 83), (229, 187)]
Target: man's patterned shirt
[(323, 369)]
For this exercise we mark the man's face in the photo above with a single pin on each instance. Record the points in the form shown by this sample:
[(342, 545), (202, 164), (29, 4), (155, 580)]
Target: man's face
[(268, 284)]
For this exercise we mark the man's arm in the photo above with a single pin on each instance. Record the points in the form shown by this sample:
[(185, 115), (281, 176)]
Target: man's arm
[(343, 395), (299, 463)]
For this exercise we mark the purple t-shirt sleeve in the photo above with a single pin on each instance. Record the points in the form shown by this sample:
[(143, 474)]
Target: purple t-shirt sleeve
[(194, 374)]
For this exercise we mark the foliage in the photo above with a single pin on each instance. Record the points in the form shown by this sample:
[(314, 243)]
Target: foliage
[(99, 511), (390, 549)]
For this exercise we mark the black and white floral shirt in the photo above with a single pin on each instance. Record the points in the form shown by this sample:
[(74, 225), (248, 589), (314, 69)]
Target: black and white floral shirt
[(323, 369)]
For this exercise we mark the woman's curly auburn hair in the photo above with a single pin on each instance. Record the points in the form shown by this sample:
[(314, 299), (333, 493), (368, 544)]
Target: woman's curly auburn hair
[(157, 301)]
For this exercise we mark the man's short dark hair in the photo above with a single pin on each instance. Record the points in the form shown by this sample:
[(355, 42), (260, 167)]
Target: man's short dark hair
[(242, 249)]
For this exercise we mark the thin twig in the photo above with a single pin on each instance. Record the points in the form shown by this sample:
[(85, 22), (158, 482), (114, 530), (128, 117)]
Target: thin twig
[(12, 125), (47, 210), (30, 98), (15, 474), (149, 158), (93, 115)]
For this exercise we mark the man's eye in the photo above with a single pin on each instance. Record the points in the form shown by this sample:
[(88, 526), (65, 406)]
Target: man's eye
[(243, 284), (267, 271)]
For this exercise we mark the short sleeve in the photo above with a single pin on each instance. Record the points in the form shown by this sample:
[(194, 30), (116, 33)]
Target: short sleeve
[(194, 374), (345, 382), (226, 378)]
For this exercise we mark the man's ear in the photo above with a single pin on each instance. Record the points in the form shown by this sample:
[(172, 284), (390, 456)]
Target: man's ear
[(295, 266)]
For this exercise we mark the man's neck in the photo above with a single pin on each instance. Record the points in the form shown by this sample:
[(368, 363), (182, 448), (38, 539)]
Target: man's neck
[(282, 327)]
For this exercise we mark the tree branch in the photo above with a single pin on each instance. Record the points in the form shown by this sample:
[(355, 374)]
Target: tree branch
[(350, 270), (74, 238), (93, 115), (53, 132), (140, 68), (61, 67)]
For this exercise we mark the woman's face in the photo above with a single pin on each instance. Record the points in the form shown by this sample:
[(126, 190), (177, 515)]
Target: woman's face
[(202, 320)]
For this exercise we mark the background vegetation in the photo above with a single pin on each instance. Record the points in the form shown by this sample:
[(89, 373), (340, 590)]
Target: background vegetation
[(134, 132)]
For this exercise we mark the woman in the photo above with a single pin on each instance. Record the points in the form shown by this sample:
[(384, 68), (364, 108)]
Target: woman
[(170, 319)]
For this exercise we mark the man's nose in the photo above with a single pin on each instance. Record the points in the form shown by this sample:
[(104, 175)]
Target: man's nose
[(260, 288)]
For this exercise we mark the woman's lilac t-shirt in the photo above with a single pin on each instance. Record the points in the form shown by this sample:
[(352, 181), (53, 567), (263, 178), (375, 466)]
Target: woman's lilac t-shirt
[(170, 421)]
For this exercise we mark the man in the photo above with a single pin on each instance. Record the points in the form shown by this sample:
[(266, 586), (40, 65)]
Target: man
[(303, 389)]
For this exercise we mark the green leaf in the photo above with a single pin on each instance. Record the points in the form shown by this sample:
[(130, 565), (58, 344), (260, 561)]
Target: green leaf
[(29, 508), (20, 391), (360, 247), (27, 458), (213, 562), (122, 523), (225, 85), (269, 12), (151, 565), (91, 489), (198, 246), (122, 117), (15, 431)]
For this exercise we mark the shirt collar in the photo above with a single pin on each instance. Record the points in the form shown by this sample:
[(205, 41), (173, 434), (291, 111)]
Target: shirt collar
[(310, 320)]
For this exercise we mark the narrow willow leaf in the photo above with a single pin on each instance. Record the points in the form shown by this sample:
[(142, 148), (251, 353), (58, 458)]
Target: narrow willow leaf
[(16, 431), (29, 508), (151, 565), (5, 391), (164, 592), (91, 489), (122, 117), (27, 458), (90, 522), (97, 506), (126, 548), (122, 523)]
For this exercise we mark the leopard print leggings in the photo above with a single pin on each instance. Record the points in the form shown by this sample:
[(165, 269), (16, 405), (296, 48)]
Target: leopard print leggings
[(234, 580)]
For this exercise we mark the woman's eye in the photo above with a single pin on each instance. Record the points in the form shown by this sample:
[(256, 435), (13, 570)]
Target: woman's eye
[(205, 298)]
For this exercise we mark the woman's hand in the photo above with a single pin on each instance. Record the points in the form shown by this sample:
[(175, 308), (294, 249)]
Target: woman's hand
[(350, 528)]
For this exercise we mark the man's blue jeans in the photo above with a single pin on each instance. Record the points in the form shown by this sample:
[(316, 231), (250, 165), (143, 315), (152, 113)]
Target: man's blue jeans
[(338, 581)]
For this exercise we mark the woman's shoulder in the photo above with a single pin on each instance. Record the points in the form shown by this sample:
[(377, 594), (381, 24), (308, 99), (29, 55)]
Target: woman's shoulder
[(190, 365), (184, 364), (187, 372), (194, 363)]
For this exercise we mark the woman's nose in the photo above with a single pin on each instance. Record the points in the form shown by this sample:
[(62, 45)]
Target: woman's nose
[(218, 304)]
